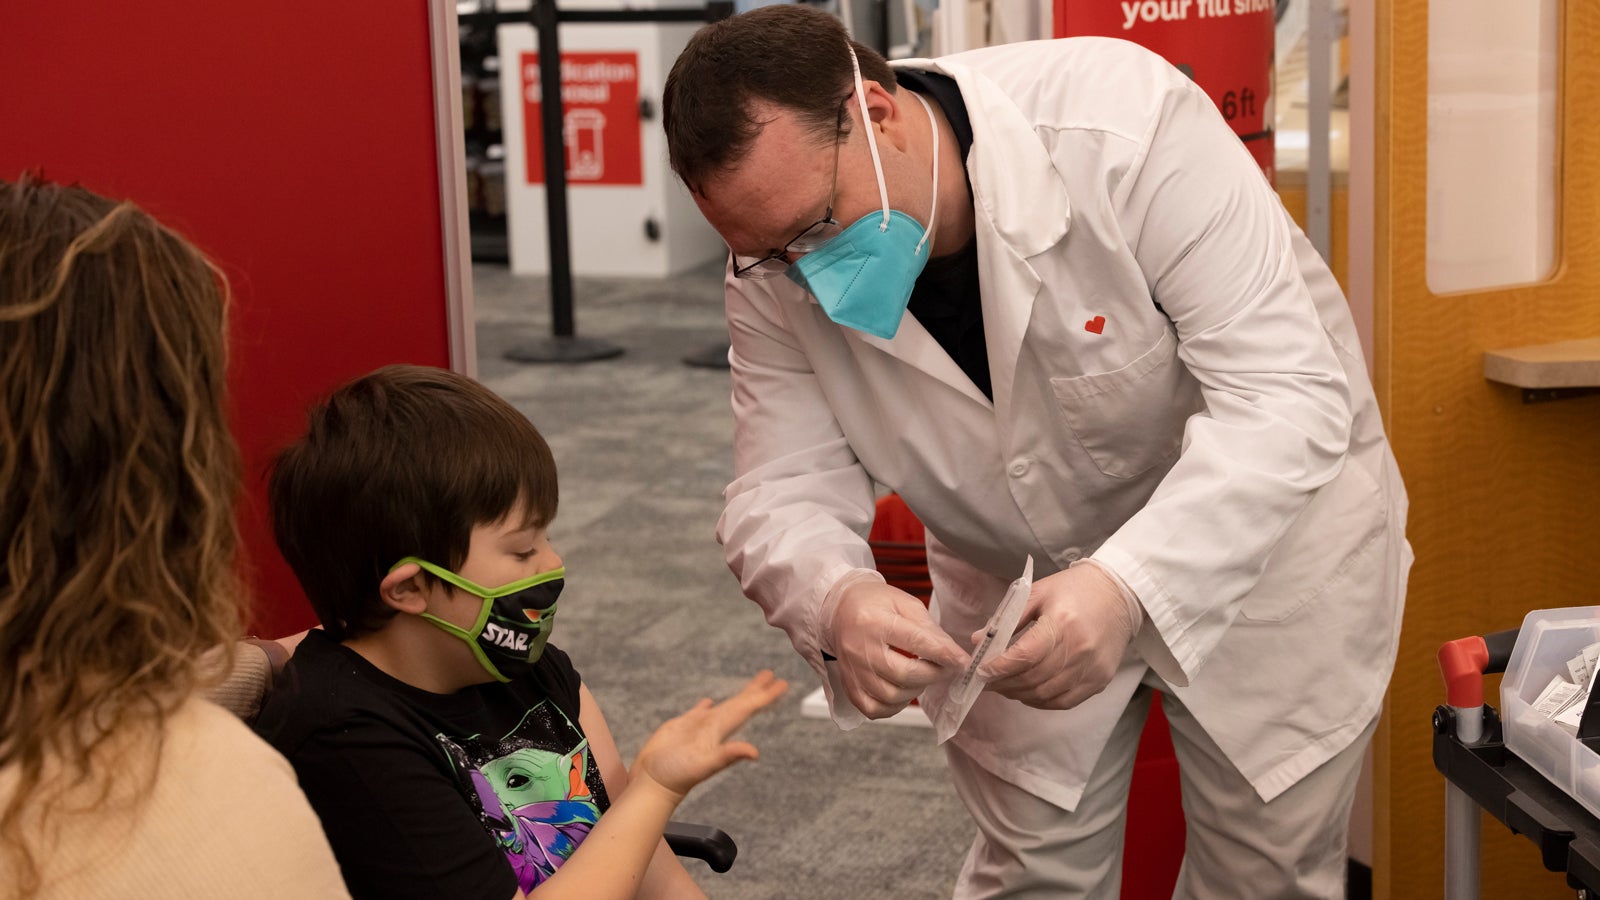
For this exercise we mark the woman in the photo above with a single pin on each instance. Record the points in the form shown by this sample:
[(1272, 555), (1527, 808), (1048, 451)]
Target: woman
[(117, 483)]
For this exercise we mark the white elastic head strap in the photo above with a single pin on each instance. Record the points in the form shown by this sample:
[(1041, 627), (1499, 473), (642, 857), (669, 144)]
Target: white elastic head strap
[(877, 164), (872, 142), (934, 211)]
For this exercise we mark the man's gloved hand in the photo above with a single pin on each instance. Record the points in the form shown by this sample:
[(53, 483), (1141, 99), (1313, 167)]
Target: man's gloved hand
[(1079, 623), (868, 624)]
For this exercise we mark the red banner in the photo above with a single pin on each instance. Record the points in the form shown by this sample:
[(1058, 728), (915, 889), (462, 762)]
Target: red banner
[(600, 118), (1224, 45), (309, 310)]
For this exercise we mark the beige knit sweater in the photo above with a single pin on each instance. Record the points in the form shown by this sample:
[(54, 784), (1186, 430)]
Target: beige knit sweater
[(224, 819)]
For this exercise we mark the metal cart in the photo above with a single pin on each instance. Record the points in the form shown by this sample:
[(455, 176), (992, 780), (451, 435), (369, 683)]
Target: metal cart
[(1481, 773)]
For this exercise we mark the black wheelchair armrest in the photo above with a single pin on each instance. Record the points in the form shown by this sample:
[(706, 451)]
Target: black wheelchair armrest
[(702, 842)]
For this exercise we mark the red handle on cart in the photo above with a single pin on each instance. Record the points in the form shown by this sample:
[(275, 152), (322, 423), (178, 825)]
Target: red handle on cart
[(1462, 661)]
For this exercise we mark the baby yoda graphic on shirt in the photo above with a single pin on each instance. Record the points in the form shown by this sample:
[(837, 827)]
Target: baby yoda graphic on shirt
[(537, 789)]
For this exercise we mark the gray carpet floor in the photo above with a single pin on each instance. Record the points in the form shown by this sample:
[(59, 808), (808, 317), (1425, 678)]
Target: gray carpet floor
[(654, 620)]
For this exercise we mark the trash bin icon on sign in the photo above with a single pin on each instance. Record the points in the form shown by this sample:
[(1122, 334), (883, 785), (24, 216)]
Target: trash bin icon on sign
[(583, 131)]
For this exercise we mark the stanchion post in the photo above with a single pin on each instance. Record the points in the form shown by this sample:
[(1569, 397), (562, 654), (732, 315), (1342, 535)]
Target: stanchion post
[(564, 345)]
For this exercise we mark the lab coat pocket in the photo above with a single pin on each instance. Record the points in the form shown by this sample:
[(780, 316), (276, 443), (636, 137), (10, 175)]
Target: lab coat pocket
[(1331, 544), (1131, 419)]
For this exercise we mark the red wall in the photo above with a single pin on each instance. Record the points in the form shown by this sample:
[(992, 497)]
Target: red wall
[(294, 143)]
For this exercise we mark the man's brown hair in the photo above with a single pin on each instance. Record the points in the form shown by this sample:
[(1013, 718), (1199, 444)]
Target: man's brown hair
[(405, 461), (790, 55)]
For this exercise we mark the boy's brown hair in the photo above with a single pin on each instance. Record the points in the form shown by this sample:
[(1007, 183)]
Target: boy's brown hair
[(405, 461)]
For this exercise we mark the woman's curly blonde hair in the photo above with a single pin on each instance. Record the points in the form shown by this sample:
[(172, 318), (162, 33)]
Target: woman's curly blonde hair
[(117, 482)]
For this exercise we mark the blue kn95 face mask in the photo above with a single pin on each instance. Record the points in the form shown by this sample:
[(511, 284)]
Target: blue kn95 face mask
[(863, 277)]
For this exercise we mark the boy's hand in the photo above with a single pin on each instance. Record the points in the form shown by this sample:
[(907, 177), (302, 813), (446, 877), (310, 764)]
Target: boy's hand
[(694, 746)]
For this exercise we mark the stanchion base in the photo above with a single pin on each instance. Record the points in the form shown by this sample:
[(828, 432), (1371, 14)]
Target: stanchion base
[(569, 349), (713, 357)]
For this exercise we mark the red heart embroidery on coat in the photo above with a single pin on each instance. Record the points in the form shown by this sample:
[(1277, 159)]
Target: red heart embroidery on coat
[(1096, 324)]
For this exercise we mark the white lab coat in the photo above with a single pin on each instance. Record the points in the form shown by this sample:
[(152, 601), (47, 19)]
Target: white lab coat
[(1222, 452)]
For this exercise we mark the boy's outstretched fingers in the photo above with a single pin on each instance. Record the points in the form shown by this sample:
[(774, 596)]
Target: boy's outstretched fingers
[(694, 746), (731, 714), (757, 694)]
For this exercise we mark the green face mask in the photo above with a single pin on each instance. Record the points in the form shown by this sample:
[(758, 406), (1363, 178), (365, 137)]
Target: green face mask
[(514, 623)]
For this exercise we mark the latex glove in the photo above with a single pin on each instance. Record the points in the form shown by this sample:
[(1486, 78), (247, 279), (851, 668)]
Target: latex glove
[(871, 628), (1078, 623), (694, 746)]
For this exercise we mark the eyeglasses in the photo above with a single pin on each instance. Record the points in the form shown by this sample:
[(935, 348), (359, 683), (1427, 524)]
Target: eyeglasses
[(814, 236)]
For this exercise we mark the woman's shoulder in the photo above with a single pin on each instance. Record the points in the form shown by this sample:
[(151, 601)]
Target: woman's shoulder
[(220, 768), (201, 734), (220, 815)]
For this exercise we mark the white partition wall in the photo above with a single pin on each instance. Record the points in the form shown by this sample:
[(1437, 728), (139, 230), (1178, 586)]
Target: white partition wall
[(629, 215), (1492, 160)]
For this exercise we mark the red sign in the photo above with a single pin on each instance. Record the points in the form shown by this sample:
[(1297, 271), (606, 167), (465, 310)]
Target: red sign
[(1224, 45), (600, 120)]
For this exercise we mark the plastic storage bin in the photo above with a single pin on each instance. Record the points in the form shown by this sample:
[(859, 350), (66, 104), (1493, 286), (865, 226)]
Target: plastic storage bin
[(1548, 639)]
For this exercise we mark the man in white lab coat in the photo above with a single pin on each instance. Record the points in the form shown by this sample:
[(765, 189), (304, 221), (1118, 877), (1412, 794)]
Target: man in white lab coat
[(1042, 292)]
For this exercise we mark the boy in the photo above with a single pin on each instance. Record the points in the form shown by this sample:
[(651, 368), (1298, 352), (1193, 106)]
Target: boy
[(448, 748)]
